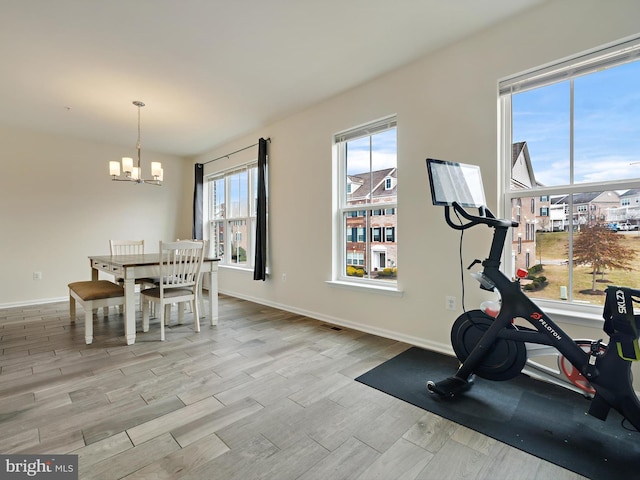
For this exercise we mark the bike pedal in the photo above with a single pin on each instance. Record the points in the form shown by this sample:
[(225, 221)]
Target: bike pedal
[(449, 387)]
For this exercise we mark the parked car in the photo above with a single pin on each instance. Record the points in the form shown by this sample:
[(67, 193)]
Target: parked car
[(626, 226), (612, 226)]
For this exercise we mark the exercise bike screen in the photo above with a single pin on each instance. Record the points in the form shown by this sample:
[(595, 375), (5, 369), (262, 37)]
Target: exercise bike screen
[(455, 182)]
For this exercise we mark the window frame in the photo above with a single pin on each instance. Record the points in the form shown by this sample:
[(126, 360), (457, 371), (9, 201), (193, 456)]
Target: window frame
[(342, 209), (229, 223), (611, 55)]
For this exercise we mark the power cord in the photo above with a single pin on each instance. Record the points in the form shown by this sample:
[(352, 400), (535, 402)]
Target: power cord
[(464, 310), (630, 428)]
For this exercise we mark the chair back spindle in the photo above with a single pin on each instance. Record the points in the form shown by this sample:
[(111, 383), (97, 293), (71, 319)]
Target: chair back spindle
[(126, 247)]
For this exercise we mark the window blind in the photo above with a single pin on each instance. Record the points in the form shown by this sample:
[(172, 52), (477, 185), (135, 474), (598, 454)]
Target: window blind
[(369, 129), (623, 52)]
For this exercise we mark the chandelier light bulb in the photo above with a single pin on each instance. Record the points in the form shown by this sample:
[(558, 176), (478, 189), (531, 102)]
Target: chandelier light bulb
[(114, 169), (127, 165)]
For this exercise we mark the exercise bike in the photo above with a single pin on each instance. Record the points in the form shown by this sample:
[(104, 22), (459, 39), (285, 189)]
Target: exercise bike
[(493, 346)]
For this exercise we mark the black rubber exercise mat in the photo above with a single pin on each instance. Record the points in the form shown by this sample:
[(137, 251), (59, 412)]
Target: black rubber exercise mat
[(539, 418)]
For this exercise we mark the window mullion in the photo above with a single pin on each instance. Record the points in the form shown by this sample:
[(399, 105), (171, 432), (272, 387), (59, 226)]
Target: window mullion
[(571, 132)]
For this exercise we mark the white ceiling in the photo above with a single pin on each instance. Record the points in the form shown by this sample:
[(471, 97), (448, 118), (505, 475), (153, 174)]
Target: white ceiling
[(208, 70)]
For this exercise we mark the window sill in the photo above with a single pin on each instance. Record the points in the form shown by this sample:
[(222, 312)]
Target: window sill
[(589, 316), (236, 267), (366, 287), (240, 268)]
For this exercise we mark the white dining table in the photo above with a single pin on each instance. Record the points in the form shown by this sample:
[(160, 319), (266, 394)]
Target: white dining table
[(147, 265)]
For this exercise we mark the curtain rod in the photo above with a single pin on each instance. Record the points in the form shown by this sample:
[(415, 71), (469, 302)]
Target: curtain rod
[(233, 153)]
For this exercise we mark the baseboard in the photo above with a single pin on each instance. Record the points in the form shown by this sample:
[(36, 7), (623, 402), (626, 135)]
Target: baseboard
[(29, 303)]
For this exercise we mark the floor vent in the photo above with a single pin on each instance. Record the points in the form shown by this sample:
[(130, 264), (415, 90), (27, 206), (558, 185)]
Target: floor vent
[(332, 327)]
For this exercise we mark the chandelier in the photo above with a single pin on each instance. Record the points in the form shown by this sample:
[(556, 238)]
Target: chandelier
[(131, 173)]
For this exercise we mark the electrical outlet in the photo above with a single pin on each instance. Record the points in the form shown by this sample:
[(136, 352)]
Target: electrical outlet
[(284, 277), (450, 303), (37, 275)]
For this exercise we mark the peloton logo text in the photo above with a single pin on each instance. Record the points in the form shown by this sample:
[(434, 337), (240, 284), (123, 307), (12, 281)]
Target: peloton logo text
[(538, 316)]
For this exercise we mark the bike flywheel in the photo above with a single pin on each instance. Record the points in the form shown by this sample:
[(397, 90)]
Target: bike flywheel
[(504, 359)]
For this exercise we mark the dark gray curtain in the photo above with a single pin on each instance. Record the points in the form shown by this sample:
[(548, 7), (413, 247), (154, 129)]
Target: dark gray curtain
[(260, 263), (196, 230)]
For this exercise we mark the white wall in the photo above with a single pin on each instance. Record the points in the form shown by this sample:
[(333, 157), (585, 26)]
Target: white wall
[(58, 205), (446, 105)]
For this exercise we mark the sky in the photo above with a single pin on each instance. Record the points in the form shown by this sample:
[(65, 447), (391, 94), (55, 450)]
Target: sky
[(606, 130), (384, 152), (606, 127)]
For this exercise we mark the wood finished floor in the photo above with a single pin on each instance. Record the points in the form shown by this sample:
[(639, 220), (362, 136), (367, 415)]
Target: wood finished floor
[(266, 394)]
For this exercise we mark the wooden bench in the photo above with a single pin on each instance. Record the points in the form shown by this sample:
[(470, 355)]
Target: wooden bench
[(93, 294)]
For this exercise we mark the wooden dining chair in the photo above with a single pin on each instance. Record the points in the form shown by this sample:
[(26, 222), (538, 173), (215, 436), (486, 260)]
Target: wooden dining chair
[(180, 265), (131, 247), (126, 247), (200, 294)]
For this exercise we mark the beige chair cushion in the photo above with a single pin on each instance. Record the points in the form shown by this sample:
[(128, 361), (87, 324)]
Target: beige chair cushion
[(96, 289), (168, 293)]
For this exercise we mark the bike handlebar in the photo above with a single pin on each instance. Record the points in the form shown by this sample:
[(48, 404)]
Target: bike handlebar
[(485, 217)]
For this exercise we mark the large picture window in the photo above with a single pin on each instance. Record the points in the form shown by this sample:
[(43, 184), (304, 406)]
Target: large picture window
[(367, 201), (232, 215), (570, 141)]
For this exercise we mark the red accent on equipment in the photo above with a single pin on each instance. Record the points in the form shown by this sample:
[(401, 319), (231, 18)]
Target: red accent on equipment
[(522, 273)]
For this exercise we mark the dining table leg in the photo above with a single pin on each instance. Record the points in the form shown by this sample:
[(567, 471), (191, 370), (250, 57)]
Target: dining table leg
[(130, 310)]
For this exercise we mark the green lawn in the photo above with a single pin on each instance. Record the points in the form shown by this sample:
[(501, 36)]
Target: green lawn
[(551, 247)]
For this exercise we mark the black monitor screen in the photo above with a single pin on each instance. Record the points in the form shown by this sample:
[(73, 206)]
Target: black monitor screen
[(455, 182)]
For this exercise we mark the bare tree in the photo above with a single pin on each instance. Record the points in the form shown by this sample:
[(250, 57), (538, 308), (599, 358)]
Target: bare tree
[(601, 248)]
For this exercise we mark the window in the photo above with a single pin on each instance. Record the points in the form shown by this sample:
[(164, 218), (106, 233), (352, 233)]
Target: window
[(355, 258), (367, 157), (232, 215), (574, 130), (390, 234)]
